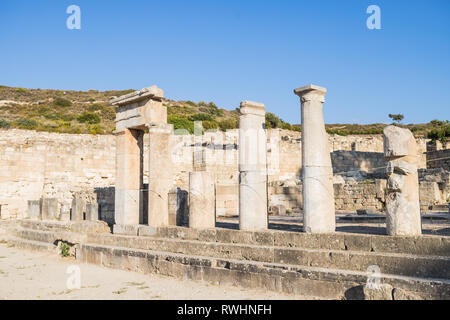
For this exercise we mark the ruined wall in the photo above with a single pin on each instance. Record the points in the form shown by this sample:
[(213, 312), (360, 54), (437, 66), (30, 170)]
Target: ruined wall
[(439, 159), (40, 164), (35, 164)]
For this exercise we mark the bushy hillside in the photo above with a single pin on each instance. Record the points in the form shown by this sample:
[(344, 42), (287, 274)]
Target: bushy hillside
[(90, 111)]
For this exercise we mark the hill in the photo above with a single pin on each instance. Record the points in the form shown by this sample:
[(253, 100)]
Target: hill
[(68, 111)]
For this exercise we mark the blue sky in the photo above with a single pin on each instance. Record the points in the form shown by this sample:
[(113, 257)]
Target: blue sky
[(229, 51)]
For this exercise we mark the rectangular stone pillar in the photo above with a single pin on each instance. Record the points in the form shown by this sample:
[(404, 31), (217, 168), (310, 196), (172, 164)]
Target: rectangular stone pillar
[(128, 204), (202, 204), (64, 213), (252, 167), (160, 173), (78, 207), (50, 209), (92, 212), (402, 190), (317, 172), (35, 209)]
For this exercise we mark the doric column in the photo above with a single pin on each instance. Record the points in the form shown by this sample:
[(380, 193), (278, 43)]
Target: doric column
[(160, 173), (129, 143), (252, 167), (402, 191), (317, 177)]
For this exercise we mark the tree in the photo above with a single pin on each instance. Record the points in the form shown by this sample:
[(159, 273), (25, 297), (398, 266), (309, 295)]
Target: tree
[(396, 117)]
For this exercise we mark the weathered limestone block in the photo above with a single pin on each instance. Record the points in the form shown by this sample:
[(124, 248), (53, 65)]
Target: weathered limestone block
[(278, 210), (128, 199), (401, 294), (34, 209), (429, 194), (78, 207), (92, 212), (160, 173), (64, 213), (252, 167), (50, 208), (318, 193), (201, 200), (381, 292), (402, 194)]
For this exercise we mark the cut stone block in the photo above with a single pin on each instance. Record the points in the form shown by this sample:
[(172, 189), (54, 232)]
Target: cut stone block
[(78, 205), (92, 212), (50, 209), (34, 209)]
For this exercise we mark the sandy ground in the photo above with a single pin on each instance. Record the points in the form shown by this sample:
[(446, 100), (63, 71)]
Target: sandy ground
[(30, 275)]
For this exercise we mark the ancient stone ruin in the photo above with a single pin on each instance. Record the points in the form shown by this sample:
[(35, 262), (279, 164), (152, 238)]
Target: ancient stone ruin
[(402, 191), (301, 213)]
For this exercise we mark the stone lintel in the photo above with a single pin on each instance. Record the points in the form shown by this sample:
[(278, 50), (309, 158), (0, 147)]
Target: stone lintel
[(152, 92), (159, 127), (251, 107), (310, 89)]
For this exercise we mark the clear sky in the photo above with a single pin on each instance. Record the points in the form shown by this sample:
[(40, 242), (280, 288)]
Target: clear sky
[(227, 51)]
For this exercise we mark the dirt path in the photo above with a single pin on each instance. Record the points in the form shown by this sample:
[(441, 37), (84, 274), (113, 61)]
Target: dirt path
[(30, 275)]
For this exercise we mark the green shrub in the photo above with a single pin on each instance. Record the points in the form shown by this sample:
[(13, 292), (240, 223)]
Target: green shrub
[(201, 117), (28, 124), (286, 126), (208, 125), (192, 104), (272, 121), (225, 125), (89, 117), (64, 250), (442, 134), (181, 123), (96, 129), (4, 124), (61, 102), (96, 107)]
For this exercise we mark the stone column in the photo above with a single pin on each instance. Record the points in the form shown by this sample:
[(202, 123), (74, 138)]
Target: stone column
[(252, 167), (129, 143), (317, 172), (402, 192), (160, 173)]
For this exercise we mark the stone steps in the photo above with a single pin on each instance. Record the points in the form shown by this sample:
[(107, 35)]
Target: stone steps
[(331, 266), (31, 245), (423, 245), (292, 279), (389, 263)]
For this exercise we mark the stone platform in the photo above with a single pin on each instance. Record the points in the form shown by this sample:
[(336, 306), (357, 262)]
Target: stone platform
[(329, 266)]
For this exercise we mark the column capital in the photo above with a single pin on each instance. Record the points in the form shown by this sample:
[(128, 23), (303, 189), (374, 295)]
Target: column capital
[(311, 92), (251, 107)]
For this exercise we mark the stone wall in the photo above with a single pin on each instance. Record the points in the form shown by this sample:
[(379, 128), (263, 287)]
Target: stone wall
[(41, 164), (438, 159)]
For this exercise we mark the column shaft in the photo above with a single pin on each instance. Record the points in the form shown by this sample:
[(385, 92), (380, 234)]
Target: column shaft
[(129, 144), (160, 174), (252, 167), (317, 172)]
